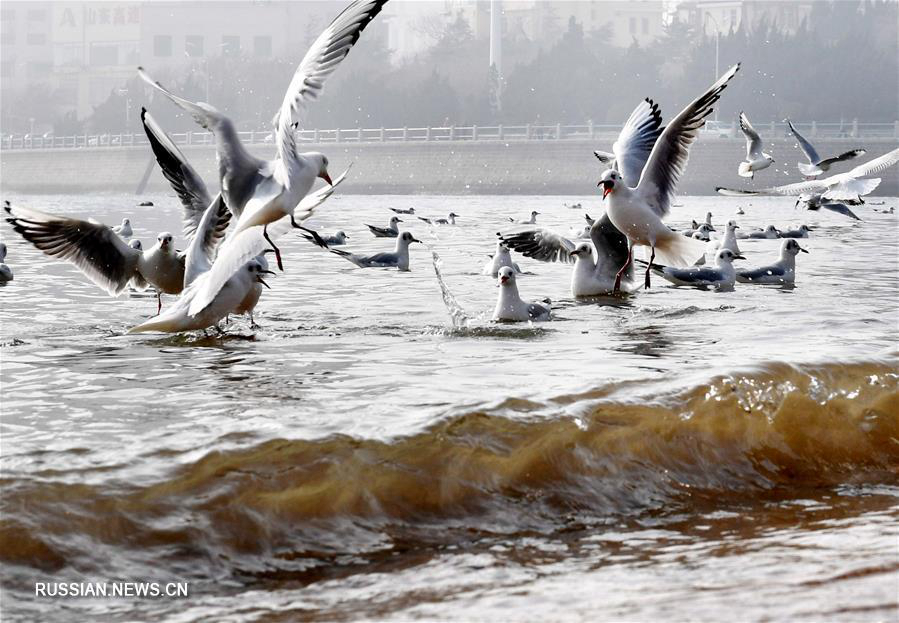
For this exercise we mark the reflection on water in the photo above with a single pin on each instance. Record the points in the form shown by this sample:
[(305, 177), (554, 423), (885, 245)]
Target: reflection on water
[(380, 449)]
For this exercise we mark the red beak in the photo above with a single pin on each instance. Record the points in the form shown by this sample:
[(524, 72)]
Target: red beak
[(327, 178), (503, 279), (606, 190)]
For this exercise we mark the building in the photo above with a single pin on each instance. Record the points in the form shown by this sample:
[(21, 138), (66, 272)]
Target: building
[(723, 16), (25, 50)]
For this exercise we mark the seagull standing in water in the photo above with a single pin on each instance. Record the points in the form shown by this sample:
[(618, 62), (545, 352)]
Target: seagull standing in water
[(783, 271), (260, 192), (756, 159), (817, 165), (721, 277), (510, 307), (637, 211), (500, 258)]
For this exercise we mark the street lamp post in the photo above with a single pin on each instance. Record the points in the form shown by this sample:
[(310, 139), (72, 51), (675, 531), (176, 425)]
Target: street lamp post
[(717, 37)]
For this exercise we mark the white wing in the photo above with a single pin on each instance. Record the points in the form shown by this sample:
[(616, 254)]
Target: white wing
[(753, 140), (636, 140), (669, 156), (201, 251)]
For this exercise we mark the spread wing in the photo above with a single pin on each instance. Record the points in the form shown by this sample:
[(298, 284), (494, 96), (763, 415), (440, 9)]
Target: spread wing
[(849, 155), (636, 140), (93, 248), (753, 140), (804, 145), (872, 166), (611, 248), (326, 53), (210, 230), (669, 155), (540, 244)]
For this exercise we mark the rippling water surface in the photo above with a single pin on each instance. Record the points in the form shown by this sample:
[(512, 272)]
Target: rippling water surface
[(671, 454)]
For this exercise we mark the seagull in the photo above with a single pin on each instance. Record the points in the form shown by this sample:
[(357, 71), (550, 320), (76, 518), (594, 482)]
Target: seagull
[(5, 271), (229, 299), (721, 277), (510, 307), (337, 239), (595, 268), (816, 165), (399, 258), (261, 193), (401, 211), (530, 221), (501, 257), (802, 232), (701, 233), (840, 187), (124, 230), (635, 142), (249, 302), (728, 242), (100, 254), (756, 159), (769, 233), (816, 201), (739, 211), (783, 271), (391, 231), (637, 211), (450, 220), (708, 219)]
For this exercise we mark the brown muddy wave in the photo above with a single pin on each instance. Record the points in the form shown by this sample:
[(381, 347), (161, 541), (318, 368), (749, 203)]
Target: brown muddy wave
[(284, 504)]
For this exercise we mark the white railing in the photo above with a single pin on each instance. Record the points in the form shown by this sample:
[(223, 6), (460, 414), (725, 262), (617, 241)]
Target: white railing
[(526, 132)]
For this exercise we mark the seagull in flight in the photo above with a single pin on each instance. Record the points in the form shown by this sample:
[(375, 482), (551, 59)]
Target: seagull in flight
[(510, 307), (637, 211), (756, 159), (841, 187), (816, 201), (595, 267), (817, 165)]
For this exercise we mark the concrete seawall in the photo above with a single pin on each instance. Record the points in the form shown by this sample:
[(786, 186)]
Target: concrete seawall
[(564, 167)]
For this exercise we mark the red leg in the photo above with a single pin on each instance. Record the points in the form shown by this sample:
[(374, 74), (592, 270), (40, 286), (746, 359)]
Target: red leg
[(630, 258), (274, 248), (652, 256)]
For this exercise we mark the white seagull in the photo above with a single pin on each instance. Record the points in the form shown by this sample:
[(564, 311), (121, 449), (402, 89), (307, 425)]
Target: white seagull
[(527, 221), (595, 268), (816, 201), (841, 187), (450, 220), (817, 165), (337, 239), (783, 271), (398, 259), (801, 232), (637, 211), (402, 211), (756, 159), (124, 230), (769, 233), (391, 231), (5, 271), (721, 276), (500, 258), (510, 307), (635, 142)]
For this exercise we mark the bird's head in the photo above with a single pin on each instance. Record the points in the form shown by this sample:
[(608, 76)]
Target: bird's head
[(727, 256), (256, 270), (609, 180), (394, 220), (582, 251), (407, 238), (320, 161), (792, 247), (165, 241), (505, 277)]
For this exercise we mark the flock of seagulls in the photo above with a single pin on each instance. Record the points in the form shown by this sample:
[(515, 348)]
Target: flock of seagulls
[(229, 234)]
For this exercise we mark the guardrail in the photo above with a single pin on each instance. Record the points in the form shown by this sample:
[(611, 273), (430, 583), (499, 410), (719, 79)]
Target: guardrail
[(526, 132)]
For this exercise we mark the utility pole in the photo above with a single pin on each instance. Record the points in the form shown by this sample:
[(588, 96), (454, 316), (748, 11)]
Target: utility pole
[(496, 47), (717, 37)]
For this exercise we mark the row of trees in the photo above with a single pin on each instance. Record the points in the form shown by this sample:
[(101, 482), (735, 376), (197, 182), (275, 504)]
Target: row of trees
[(840, 64)]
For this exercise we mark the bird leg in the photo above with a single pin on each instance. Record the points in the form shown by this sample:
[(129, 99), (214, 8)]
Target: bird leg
[(652, 256), (630, 257), (253, 324), (274, 248), (158, 302)]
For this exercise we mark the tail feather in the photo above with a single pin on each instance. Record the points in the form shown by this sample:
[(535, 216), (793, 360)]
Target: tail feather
[(677, 250), (744, 170)]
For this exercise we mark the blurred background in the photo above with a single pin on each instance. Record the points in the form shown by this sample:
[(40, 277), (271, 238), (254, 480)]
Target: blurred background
[(69, 67)]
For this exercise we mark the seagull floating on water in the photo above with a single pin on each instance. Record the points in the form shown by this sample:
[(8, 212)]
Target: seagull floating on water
[(637, 211), (700, 233), (398, 258), (529, 221), (124, 230), (721, 276), (756, 159), (402, 211), (5, 271), (783, 271), (336, 239), (449, 220), (817, 165), (501, 257), (510, 307), (769, 233), (801, 232), (391, 231)]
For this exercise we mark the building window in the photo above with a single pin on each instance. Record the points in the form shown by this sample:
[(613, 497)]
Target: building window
[(733, 18), (193, 45), (162, 45), (104, 54), (262, 45), (7, 15), (633, 25), (645, 25), (37, 15), (230, 45)]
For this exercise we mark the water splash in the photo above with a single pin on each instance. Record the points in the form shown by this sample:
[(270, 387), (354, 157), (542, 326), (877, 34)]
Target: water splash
[(457, 314)]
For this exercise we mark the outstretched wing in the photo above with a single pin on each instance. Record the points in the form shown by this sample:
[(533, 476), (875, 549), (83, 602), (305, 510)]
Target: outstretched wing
[(805, 146), (210, 230), (840, 208), (93, 248), (669, 156), (849, 155), (326, 53), (753, 140), (540, 244), (611, 248), (636, 140), (872, 166)]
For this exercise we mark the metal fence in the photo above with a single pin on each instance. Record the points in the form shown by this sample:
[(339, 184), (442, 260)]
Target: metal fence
[(527, 132)]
